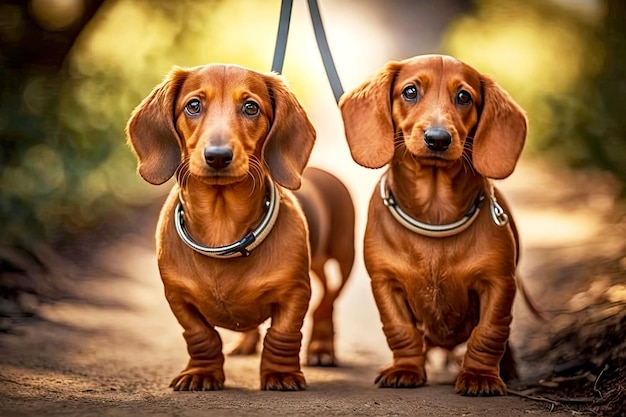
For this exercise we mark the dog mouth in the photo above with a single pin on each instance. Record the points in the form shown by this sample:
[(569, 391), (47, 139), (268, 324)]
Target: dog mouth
[(210, 176), (435, 160), (432, 158), (220, 177)]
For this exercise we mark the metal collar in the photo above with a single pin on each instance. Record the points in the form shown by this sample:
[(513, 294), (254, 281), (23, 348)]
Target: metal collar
[(243, 246), (441, 230)]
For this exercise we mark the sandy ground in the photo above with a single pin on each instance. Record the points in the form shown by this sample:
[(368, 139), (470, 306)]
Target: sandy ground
[(115, 352), (115, 355)]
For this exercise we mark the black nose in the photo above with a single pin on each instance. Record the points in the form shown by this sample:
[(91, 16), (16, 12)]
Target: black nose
[(218, 157), (437, 139)]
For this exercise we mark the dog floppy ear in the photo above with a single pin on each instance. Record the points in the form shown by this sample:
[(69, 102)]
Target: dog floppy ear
[(291, 137), (366, 113), (500, 134), (151, 133)]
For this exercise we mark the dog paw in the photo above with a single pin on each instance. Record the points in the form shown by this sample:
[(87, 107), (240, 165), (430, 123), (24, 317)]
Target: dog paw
[(283, 381), (401, 377), (321, 353), (479, 385), (198, 382)]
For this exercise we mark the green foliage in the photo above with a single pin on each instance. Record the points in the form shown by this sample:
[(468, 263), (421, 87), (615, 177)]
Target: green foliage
[(65, 165), (564, 65), (32, 169), (592, 129)]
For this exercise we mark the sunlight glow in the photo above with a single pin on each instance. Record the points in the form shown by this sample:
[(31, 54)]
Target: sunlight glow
[(56, 15), (519, 49)]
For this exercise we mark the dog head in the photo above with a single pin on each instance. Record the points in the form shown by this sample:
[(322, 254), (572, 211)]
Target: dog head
[(217, 122), (439, 108)]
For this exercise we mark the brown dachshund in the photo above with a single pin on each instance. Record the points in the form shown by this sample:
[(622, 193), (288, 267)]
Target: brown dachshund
[(440, 244), (232, 240), (329, 212)]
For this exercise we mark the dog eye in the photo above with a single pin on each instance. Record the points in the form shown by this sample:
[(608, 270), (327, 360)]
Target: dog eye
[(250, 108), (410, 94), (193, 107), (463, 98)]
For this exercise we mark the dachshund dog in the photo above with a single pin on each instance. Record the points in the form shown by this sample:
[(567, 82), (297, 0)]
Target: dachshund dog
[(330, 215), (440, 244), (232, 241)]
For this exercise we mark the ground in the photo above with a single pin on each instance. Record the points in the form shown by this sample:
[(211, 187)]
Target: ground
[(111, 346)]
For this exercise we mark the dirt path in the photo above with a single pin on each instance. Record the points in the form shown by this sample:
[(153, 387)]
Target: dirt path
[(114, 353)]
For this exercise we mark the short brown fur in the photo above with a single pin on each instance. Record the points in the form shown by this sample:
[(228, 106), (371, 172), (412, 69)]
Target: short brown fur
[(433, 291), (222, 204)]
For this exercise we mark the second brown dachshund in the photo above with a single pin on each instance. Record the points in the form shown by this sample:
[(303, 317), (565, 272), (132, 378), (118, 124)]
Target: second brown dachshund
[(440, 244)]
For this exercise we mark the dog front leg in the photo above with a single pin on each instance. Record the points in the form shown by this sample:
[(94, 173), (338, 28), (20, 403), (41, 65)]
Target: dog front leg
[(205, 370), (403, 337), (280, 360), (480, 374)]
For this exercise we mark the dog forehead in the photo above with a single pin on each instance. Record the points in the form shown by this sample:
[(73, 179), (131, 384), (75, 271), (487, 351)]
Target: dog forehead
[(226, 78), (439, 67)]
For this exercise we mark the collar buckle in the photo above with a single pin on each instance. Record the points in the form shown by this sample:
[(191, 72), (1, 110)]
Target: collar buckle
[(498, 215)]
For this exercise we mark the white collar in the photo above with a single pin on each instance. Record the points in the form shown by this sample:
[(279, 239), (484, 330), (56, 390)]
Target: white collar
[(247, 243), (441, 230)]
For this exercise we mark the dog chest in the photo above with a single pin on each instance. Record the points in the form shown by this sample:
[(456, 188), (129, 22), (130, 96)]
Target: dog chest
[(223, 298), (442, 306), (235, 307)]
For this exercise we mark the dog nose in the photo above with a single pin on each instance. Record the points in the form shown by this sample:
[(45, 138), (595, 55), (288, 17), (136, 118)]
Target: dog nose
[(437, 139), (218, 157)]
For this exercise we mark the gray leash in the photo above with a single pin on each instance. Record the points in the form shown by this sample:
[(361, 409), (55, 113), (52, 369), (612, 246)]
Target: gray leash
[(281, 37), (320, 37)]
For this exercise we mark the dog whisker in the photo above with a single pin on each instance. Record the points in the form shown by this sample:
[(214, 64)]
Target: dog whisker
[(467, 163), (406, 151), (183, 173), (465, 155), (255, 172)]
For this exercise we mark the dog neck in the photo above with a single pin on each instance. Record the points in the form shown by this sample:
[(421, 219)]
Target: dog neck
[(217, 215), (434, 194)]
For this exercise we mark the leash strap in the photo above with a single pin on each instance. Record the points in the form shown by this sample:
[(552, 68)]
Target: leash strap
[(281, 37), (322, 45), (320, 38)]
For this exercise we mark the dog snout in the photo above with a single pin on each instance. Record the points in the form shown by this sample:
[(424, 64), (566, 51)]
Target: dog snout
[(218, 157), (437, 139)]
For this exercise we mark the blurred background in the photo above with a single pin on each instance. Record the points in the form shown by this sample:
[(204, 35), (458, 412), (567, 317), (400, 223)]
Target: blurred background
[(71, 72)]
